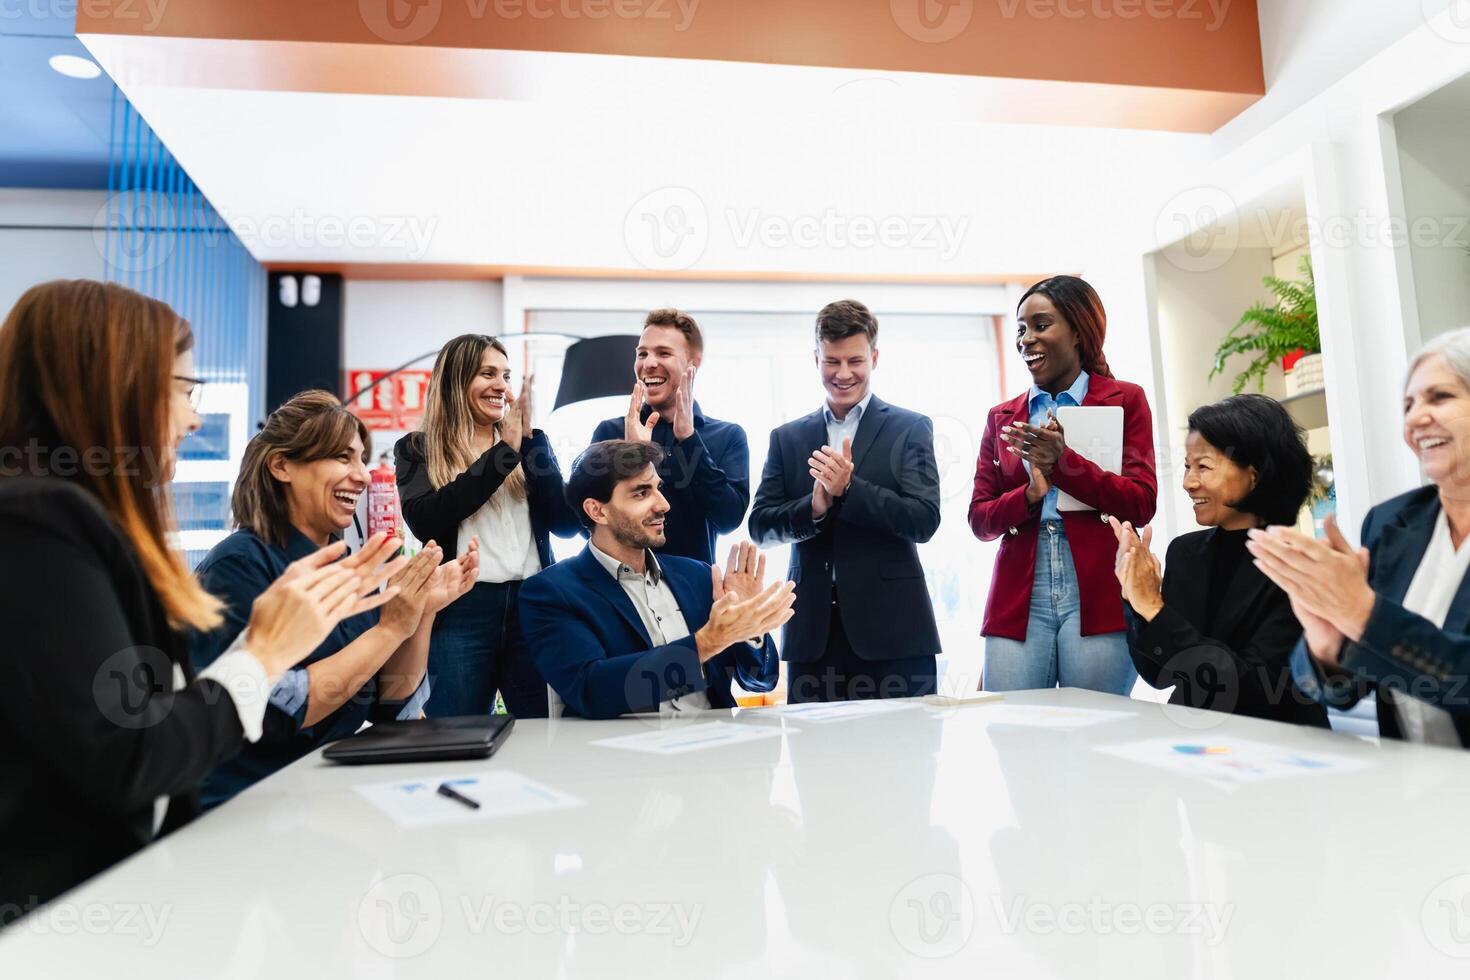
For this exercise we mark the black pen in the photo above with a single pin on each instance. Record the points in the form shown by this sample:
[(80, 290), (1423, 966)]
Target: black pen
[(446, 790)]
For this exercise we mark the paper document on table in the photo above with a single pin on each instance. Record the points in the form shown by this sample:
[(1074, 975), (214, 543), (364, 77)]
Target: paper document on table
[(825, 711), (1233, 760), (501, 793), (1050, 716), (678, 739), (954, 699)]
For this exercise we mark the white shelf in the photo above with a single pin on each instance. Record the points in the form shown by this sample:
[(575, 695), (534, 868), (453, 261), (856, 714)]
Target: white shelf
[(1309, 408)]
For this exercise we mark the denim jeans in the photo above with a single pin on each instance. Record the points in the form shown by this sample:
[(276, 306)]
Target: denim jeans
[(1055, 651), (476, 649)]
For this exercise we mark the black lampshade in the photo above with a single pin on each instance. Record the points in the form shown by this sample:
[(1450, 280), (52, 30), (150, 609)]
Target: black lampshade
[(596, 368)]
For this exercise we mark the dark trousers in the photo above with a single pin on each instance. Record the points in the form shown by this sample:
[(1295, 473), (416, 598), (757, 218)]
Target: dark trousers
[(841, 675), (476, 649)]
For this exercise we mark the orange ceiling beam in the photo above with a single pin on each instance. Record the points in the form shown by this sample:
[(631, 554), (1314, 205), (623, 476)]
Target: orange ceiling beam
[(1208, 47)]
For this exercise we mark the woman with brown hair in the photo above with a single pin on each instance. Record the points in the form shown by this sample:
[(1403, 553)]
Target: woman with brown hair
[(478, 470), (298, 487), (106, 726), (1055, 612)]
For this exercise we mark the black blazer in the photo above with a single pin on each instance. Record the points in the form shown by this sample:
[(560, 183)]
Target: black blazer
[(1400, 650), (435, 515), (1245, 668), (870, 535), (92, 730)]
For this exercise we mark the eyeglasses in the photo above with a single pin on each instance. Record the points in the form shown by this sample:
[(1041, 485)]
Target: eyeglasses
[(195, 394)]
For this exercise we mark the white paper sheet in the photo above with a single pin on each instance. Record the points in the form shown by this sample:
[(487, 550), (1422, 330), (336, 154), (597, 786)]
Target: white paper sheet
[(1047, 716), (678, 739), (1232, 760), (500, 793), (825, 711)]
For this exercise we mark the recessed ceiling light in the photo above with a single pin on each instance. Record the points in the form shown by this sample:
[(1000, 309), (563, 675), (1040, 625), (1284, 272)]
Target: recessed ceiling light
[(74, 67)]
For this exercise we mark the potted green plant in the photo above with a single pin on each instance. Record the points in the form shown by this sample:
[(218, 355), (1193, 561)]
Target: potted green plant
[(1287, 331)]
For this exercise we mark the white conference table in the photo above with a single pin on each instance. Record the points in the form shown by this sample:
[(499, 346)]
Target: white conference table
[(920, 841)]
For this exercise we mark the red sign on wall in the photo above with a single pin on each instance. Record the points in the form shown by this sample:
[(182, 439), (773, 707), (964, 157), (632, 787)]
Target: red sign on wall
[(387, 404)]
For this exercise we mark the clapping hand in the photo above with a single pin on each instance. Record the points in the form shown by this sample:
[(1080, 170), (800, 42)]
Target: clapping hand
[(453, 579), (291, 618), (634, 428), (745, 572), (684, 406), (402, 614), (733, 619), (1137, 568), (1327, 582), (833, 469), (1041, 446)]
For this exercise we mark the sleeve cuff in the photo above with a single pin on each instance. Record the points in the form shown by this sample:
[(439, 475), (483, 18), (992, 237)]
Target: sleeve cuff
[(244, 679), (413, 708), (291, 691)]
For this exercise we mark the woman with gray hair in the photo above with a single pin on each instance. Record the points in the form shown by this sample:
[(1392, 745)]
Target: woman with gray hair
[(1394, 616)]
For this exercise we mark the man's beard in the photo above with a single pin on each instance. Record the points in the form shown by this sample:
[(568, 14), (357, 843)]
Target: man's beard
[(633, 534)]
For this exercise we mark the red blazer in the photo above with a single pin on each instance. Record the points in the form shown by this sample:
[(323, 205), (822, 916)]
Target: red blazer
[(998, 510)]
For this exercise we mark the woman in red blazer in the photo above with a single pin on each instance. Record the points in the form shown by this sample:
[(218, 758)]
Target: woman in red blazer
[(1055, 613)]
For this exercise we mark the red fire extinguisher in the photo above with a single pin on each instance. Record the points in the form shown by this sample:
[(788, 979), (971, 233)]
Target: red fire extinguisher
[(382, 509)]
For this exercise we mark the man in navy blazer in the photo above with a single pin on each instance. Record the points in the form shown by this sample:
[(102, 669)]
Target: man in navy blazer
[(706, 465), (616, 630), (855, 488)]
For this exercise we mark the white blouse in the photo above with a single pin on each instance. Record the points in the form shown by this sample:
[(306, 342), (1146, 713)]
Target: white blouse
[(507, 544), (1431, 594)]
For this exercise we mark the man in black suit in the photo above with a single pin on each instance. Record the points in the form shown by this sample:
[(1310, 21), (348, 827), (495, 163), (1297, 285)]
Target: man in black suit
[(855, 488)]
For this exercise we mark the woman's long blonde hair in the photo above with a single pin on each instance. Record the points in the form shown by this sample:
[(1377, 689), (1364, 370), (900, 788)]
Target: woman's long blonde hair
[(449, 425), (87, 367)]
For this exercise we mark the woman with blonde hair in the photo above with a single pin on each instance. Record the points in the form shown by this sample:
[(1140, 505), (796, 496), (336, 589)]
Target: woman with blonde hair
[(297, 491), (106, 726), (477, 470)]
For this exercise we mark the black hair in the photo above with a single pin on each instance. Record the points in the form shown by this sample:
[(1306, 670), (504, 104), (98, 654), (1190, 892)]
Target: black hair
[(1256, 431), (602, 466), (1082, 308)]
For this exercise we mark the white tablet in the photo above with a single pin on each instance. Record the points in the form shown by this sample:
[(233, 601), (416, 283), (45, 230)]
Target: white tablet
[(1094, 432)]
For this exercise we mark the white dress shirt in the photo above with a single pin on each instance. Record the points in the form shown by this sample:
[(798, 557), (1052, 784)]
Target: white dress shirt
[(845, 428), (507, 543), (1431, 594), (658, 610)]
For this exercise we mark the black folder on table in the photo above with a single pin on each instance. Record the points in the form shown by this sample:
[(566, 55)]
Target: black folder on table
[(424, 740)]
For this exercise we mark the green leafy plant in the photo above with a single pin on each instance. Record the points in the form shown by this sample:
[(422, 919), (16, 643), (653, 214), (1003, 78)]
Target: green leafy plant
[(1273, 332)]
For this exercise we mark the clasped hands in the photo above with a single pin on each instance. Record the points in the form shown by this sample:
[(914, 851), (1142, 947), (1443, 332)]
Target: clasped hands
[(744, 609), (635, 429), (1327, 582), (1039, 445), (1137, 568), (831, 472)]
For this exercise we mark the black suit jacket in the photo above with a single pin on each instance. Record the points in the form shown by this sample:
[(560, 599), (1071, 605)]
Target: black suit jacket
[(1402, 651), (1245, 667), (436, 514), (869, 537), (92, 730)]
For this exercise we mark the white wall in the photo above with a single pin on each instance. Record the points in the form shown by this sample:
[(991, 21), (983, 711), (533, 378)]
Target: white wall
[(385, 323), (1434, 148), (47, 235)]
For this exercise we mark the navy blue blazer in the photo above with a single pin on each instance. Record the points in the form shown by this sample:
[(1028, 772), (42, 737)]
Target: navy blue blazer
[(706, 480), (1400, 650), (868, 539), (587, 640)]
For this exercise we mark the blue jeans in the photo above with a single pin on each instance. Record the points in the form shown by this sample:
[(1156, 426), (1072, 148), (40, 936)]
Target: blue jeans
[(476, 649), (1055, 651)]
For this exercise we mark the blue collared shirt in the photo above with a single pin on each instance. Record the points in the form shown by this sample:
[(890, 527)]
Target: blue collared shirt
[(1042, 402), (839, 429)]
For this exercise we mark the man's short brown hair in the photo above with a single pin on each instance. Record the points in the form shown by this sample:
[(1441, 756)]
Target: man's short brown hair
[(681, 321), (846, 318)]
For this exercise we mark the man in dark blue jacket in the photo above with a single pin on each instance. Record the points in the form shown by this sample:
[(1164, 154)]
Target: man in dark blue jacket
[(616, 630), (706, 464), (854, 488)]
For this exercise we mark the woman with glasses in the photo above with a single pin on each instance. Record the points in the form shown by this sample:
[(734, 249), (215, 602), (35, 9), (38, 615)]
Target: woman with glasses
[(106, 726)]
